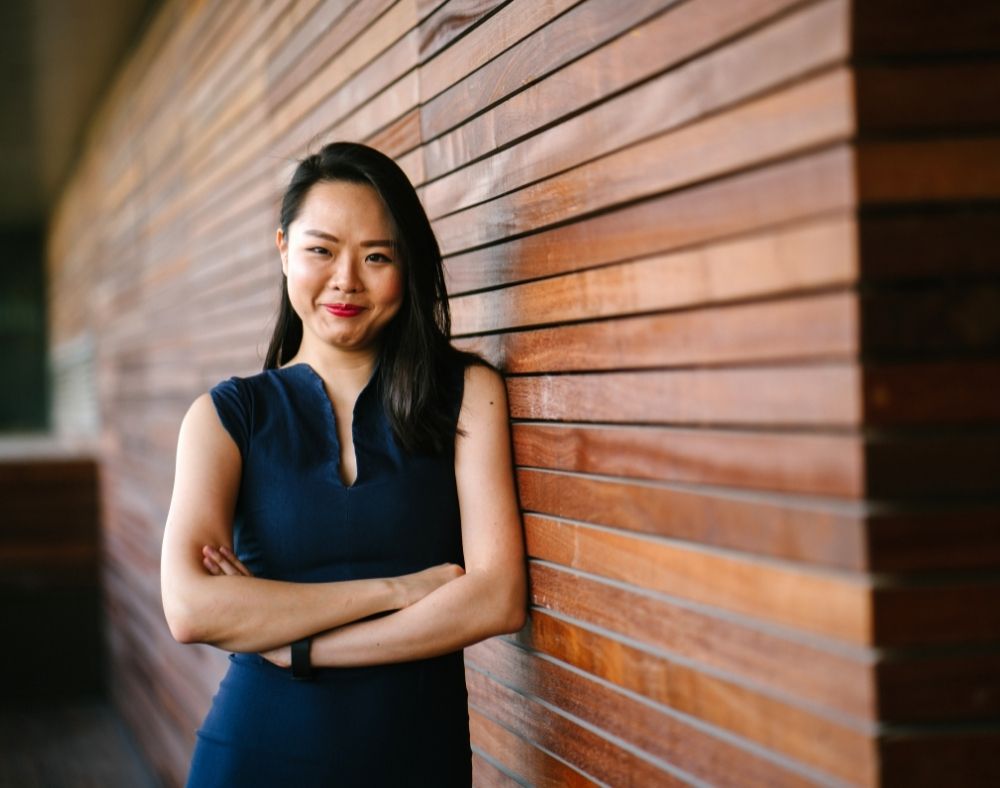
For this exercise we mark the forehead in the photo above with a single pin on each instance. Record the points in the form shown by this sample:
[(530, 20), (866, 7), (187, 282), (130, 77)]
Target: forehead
[(344, 209)]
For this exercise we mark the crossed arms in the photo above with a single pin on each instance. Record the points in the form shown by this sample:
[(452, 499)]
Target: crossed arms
[(208, 597)]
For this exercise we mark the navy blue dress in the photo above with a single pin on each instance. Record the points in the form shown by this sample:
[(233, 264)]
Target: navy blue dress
[(393, 725)]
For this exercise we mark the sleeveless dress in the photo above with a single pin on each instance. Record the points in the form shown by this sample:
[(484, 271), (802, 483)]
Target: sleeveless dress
[(384, 725)]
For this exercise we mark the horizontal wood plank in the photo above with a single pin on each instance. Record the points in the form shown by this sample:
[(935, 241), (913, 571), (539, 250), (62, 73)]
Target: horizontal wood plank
[(686, 30), (830, 535), (530, 764), (836, 606), (671, 739), (579, 746), (782, 193), (811, 113), (817, 395), (829, 745), (780, 461), (808, 42), (834, 679), (786, 260)]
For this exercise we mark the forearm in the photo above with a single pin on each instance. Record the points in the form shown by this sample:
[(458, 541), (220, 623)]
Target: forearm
[(240, 613), (462, 612)]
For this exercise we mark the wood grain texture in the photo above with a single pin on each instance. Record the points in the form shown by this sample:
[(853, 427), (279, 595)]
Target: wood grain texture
[(811, 114), (807, 42), (781, 660), (663, 42), (835, 605), (840, 748), (598, 756), (738, 261), (828, 465), (825, 394), (761, 264), (530, 764), (830, 535), (798, 189)]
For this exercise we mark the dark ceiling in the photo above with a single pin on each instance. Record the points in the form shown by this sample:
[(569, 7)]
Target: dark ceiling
[(58, 58)]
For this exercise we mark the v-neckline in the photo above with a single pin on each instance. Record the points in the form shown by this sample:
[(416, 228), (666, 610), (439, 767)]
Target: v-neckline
[(331, 421)]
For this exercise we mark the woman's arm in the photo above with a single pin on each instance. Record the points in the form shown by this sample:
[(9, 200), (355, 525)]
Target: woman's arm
[(229, 609), (490, 598)]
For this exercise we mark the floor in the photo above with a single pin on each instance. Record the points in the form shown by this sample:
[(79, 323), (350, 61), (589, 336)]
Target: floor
[(68, 744)]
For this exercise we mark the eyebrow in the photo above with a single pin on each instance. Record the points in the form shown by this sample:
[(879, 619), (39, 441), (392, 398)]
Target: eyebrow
[(320, 234)]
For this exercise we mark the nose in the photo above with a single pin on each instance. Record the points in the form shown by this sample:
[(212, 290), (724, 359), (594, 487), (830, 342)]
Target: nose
[(344, 276)]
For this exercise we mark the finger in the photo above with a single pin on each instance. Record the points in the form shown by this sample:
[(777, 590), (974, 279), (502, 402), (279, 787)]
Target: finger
[(231, 557), (223, 564), (211, 566)]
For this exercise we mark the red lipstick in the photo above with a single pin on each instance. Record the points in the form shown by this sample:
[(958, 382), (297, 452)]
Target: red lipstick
[(343, 310)]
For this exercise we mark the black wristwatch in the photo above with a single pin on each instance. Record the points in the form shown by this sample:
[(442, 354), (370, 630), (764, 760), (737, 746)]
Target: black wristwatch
[(301, 666)]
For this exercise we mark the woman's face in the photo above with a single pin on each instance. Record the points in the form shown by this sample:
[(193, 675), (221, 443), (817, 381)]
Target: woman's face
[(345, 279)]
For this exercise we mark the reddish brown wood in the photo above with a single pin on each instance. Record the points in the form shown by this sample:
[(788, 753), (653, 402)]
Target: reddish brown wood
[(663, 221), (837, 679), (573, 743), (826, 394), (782, 462), (832, 746), (836, 606), (697, 751), (486, 774), (683, 32), (782, 193), (331, 27), (447, 21), (529, 763), (824, 327), (481, 45), (826, 536), (811, 113), (808, 42)]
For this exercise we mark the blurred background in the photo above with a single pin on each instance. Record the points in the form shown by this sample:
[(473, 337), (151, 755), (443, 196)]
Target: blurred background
[(57, 726), (738, 261)]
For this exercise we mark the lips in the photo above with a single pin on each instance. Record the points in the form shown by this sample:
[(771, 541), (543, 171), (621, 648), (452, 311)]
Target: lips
[(343, 310)]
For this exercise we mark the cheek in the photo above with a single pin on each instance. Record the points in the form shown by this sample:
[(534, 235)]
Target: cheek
[(393, 287)]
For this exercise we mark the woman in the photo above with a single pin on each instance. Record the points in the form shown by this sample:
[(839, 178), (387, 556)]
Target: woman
[(345, 521)]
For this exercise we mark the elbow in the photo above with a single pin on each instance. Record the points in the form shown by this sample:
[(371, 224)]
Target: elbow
[(516, 618), (513, 612), (181, 627), (182, 621), (182, 634)]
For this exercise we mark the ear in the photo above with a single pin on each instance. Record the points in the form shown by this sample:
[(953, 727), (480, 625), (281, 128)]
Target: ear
[(282, 243)]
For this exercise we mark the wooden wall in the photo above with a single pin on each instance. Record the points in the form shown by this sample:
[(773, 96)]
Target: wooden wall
[(738, 259), (50, 596)]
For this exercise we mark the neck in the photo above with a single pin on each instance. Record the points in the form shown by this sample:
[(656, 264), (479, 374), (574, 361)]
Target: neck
[(351, 367)]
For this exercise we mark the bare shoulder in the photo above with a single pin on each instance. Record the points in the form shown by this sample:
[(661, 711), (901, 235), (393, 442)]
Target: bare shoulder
[(485, 395), (201, 417), (202, 431)]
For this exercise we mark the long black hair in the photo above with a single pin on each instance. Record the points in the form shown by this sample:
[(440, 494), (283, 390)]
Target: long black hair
[(415, 354)]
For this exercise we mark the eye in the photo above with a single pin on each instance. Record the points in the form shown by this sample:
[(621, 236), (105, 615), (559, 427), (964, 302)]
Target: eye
[(318, 250), (377, 257)]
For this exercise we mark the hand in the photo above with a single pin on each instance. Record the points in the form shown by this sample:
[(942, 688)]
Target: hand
[(280, 656), (417, 585), (222, 561)]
